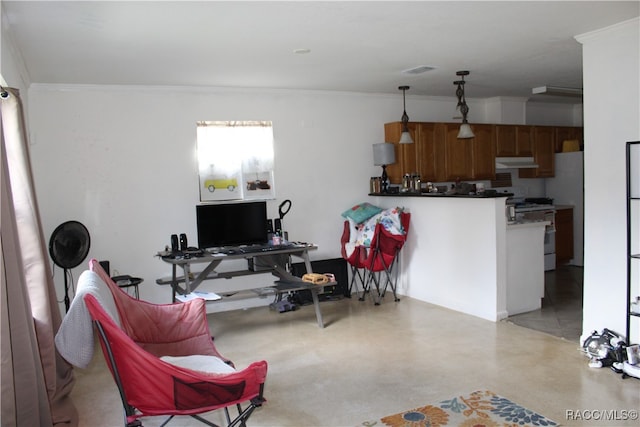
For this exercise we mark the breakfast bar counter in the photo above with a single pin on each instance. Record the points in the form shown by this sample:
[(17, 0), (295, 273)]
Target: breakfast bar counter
[(457, 253)]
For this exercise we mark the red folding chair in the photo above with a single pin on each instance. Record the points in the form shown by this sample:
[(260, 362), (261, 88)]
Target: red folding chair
[(163, 359), (356, 259), (381, 264), (374, 265)]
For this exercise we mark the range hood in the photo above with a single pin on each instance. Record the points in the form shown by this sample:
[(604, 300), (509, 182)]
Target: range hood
[(515, 163)]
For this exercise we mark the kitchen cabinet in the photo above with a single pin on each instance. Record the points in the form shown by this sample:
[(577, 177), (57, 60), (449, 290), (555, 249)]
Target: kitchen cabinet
[(483, 152), (472, 158), (564, 235), (429, 152), (425, 156), (633, 242), (406, 161), (563, 133), (458, 157), (543, 153), (513, 141), (524, 141), (438, 155)]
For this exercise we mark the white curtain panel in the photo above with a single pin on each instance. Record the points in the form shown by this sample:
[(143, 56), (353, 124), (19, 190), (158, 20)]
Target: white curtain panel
[(36, 381)]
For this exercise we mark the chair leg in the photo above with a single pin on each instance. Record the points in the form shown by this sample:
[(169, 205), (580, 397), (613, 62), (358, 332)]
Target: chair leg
[(390, 279), (357, 275), (391, 276), (354, 272)]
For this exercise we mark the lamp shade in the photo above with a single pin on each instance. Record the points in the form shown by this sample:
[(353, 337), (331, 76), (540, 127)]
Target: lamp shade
[(383, 154), (405, 138), (465, 131)]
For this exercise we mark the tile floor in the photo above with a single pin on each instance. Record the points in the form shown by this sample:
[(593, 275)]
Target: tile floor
[(371, 361), (561, 312)]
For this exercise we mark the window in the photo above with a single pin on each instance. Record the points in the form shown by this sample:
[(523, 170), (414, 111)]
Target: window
[(235, 160)]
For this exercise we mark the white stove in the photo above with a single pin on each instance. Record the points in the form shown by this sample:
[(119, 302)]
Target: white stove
[(528, 211), (532, 207)]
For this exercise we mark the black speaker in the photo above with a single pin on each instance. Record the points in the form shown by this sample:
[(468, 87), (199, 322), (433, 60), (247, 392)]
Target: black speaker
[(270, 226), (174, 243), (105, 266), (183, 242)]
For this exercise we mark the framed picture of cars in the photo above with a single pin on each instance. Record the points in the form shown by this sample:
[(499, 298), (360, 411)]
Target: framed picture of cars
[(235, 160), (258, 185), (220, 187)]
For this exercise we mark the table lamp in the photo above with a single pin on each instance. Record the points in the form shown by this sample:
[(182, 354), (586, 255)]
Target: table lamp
[(383, 155)]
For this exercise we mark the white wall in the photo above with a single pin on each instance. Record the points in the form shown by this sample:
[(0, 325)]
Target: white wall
[(122, 161), (553, 114), (611, 117)]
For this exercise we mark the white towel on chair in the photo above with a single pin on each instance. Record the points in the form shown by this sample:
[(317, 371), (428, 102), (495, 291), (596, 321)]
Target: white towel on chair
[(74, 339)]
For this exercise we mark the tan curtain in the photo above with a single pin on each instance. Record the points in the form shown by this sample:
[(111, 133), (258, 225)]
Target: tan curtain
[(36, 381)]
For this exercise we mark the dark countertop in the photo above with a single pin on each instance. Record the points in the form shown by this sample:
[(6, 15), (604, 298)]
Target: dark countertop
[(468, 196)]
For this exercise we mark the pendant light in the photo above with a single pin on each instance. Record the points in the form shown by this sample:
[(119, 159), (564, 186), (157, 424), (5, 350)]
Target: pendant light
[(465, 130), (405, 137)]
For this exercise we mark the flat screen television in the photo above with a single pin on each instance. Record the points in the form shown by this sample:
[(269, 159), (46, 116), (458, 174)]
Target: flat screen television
[(231, 224)]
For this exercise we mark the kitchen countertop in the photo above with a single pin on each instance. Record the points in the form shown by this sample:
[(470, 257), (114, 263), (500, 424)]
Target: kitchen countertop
[(437, 195)]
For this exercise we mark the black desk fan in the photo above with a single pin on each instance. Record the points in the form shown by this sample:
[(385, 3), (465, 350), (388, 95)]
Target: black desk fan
[(69, 246)]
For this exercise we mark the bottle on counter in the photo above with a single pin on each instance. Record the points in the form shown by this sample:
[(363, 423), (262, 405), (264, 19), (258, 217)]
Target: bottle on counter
[(406, 183), (375, 185), (416, 184)]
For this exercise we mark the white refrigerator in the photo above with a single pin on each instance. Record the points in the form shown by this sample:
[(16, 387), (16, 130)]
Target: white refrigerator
[(567, 188)]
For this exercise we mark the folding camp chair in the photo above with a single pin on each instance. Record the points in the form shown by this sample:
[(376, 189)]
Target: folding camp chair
[(375, 265), (356, 260), (161, 356), (381, 264)]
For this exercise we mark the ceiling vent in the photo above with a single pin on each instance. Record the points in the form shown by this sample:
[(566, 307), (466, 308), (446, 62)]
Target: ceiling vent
[(557, 91), (418, 70)]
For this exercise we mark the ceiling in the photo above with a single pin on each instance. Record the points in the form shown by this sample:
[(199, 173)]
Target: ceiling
[(509, 47)]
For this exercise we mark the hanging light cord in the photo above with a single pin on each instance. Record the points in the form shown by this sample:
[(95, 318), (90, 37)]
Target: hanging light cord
[(405, 117), (462, 101)]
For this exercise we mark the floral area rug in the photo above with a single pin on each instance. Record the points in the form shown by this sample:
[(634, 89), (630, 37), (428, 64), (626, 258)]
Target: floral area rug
[(478, 409)]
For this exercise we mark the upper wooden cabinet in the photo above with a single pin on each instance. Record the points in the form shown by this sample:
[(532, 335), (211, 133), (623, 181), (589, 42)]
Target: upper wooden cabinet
[(483, 152), (458, 157), (543, 153), (429, 153), (406, 160), (423, 156), (463, 159), (506, 141), (513, 141), (524, 141), (438, 155)]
